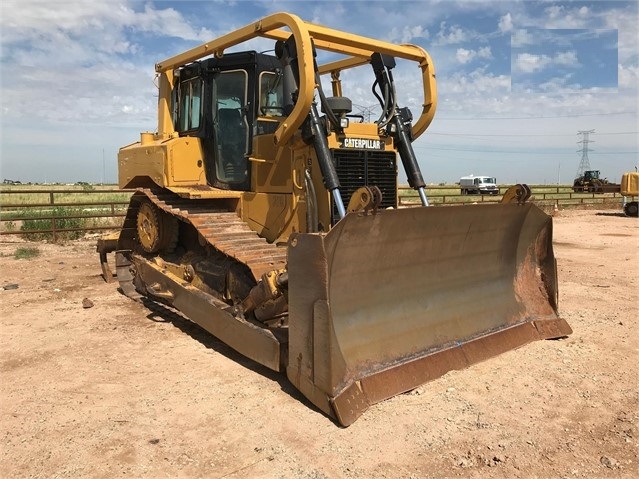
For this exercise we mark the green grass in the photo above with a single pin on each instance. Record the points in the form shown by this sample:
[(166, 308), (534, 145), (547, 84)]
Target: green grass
[(79, 194), (35, 222), (26, 253)]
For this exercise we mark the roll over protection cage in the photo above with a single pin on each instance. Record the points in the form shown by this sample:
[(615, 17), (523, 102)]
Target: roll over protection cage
[(358, 50)]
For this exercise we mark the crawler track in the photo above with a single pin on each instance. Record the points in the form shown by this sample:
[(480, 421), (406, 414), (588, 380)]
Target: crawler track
[(217, 227)]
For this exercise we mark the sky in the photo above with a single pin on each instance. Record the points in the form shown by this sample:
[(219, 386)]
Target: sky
[(517, 80)]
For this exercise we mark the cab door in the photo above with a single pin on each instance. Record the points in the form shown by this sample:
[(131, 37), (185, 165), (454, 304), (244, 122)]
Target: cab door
[(229, 167)]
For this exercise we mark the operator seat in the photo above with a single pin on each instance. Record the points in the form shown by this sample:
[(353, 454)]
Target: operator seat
[(231, 137)]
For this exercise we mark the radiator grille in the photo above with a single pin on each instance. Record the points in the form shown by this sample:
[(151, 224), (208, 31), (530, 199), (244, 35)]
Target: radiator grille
[(356, 168)]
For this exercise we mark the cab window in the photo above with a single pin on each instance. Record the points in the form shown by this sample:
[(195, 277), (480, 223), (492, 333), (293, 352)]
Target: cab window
[(271, 94), (189, 105)]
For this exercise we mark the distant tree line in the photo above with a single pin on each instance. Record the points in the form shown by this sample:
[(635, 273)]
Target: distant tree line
[(84, 184)]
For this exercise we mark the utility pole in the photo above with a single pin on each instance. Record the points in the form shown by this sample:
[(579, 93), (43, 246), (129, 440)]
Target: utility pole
[(584, 164), (559, 172)]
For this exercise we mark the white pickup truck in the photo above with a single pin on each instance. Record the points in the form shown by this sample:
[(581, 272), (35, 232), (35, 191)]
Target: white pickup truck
[(478, 185)]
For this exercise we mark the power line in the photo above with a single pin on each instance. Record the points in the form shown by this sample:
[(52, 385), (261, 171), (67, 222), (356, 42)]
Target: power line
[(440, 118), (488, 150), (471, 135), (518, 152), (618, 153)]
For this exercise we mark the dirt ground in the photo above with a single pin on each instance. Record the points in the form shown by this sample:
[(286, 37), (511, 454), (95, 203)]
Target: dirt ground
[(116, 390)]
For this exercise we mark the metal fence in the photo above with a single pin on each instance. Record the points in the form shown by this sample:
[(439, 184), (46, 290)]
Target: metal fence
[(544, 196), (52, 216)]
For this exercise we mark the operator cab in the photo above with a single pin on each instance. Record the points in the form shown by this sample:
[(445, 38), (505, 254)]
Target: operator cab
[(217, 101)]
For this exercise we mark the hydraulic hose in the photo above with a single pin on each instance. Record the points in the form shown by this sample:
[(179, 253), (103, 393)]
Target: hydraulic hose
[(324, 158), (407, 154)]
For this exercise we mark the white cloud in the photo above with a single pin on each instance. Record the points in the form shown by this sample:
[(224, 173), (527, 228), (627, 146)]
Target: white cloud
[(531, 63), (561, 83), (560, 16), (448, 35), (554, 11), (521, 37), (566, 58), (464, 56), (484, 52), (478, 82), (70, 60), (505, 23), (578, 17), (628, 78), (407, 34), (89, 27), (169, 22), (625, 22)]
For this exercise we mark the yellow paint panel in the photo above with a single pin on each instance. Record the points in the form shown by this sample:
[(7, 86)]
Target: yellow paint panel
[(630, 184), (137, 161), (271, 215), (186, 161), (269, 176)]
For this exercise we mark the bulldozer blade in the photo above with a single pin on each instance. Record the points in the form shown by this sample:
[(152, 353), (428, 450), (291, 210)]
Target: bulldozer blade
[(388, 301)]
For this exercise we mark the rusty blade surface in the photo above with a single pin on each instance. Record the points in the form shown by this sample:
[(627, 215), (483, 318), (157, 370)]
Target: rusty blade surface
[(385, 302)]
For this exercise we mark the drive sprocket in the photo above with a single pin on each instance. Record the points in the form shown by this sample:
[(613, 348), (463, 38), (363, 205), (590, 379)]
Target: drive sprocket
[(157, 231)]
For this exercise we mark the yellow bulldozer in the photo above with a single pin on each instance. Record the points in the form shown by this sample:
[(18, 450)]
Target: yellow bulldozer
[(630, 190), (266, 211)]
